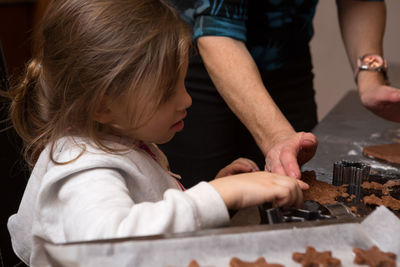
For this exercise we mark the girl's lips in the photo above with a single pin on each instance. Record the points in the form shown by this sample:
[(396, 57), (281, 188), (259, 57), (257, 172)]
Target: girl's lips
[(178, 126)]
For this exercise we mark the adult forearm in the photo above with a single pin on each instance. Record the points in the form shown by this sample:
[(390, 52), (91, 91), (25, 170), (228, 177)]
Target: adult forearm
[(237, 79), (362, 26)]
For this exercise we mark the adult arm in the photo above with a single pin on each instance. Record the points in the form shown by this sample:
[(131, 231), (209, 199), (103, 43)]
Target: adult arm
[(235, 75), (362, 25)]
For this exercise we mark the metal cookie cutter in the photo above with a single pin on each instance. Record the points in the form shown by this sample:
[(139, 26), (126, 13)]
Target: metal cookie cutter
[(311, 211), (351, 173)]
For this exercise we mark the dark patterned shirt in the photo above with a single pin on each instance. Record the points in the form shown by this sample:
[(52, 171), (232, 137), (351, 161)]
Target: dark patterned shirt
[(275, 31)]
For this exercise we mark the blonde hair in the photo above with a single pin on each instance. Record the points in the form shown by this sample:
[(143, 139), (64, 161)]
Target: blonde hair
[(93, 48)]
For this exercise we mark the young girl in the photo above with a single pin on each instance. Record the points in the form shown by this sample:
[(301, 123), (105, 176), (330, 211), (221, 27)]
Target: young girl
[(107, 85)]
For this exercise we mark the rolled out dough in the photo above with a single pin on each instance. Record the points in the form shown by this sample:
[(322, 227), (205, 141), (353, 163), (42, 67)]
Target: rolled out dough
[(387, 152)]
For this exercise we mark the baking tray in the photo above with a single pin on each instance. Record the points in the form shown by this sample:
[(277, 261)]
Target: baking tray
[(216, 247)]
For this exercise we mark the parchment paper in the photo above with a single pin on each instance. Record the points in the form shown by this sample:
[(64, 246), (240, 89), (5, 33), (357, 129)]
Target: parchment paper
[(381, 228)]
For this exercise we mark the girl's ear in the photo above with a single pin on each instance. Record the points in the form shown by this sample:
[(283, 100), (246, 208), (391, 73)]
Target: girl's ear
[(104, 114)]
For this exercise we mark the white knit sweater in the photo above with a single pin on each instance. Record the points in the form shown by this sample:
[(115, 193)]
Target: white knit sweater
[(102, 195)]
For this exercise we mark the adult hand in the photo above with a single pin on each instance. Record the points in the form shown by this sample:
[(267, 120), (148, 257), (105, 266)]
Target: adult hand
[(382, 100), (288, 153), (240, 165)]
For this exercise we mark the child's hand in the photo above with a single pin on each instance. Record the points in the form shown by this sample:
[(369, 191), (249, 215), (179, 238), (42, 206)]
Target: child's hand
[(251, 189), (239, 165)]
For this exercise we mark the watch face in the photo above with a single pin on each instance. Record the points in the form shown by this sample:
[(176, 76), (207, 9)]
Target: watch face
[(372, 62)]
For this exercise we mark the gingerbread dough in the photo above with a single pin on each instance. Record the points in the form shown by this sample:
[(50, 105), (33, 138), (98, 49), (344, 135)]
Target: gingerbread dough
[(387, 201), (387, 152), (319, 191)]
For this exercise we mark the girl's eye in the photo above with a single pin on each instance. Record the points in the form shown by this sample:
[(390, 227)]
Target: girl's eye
[(169, 94)]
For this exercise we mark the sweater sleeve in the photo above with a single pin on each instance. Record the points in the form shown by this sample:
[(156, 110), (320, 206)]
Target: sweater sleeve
[(97, 205)]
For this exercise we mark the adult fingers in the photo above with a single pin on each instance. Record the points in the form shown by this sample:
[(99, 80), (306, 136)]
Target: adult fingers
[(273, 164), (288, 160), (298, 151), (308, 147)]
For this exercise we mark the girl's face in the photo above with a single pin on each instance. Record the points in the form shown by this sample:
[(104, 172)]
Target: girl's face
[(168, 119)]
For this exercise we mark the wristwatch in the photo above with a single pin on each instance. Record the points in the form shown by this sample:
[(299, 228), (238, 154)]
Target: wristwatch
[(371, 62)]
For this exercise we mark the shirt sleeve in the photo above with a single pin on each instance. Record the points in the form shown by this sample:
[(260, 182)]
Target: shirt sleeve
[(221, 18), (97, 205)]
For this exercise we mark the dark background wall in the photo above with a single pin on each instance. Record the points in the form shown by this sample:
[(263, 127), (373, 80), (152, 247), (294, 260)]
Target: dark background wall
[(17, 22)]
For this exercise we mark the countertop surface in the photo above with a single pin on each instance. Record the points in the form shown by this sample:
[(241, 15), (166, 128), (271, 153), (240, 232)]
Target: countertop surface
[(343, 133)]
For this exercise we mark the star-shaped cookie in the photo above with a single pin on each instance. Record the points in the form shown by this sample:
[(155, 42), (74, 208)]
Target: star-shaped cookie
[(374, 257), (313, 258), (193, 263), (260, 262)]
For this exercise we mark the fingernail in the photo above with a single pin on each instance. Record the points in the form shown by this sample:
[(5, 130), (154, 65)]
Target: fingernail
[(306, 186), (308, 142)]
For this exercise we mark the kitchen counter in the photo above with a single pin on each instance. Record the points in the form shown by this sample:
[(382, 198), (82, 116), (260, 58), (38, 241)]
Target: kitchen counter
[(343, 133)]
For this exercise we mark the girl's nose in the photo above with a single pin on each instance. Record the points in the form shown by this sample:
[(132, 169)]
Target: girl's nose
[(186, 99)]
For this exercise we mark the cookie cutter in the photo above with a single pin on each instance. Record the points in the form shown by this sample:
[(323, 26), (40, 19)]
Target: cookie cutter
[(311, 211), (351, 173)]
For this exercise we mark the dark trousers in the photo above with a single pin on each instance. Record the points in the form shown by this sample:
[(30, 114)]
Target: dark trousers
[(213, 136)]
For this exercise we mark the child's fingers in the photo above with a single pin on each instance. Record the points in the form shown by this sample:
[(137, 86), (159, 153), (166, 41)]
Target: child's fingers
[(303, 185), (252, 164), (248, 189), (240, 167), (285, 201), (289, 192), (299, 199), (247, 162), (284, 196)]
